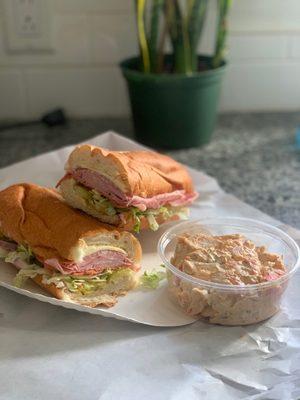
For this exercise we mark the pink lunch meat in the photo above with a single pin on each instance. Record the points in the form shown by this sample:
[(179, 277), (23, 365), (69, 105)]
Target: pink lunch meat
[(104, 186), (8, 246), (11, 246), (92, 264)]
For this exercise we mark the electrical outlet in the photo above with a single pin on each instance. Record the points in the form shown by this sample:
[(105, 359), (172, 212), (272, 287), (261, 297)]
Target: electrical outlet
[(27, 17), (27, 25)]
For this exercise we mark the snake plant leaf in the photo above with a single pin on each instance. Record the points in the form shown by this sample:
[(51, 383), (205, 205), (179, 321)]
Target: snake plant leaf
[(140, 14), (156, 11)]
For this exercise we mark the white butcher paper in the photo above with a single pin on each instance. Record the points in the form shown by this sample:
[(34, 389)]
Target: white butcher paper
[(147, 348)]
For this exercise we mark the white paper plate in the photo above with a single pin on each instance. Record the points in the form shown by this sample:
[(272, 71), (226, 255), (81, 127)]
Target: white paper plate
[(151, 307)]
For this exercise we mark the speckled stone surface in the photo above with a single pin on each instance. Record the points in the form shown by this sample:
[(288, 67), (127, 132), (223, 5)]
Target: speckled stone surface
[(253, 156)]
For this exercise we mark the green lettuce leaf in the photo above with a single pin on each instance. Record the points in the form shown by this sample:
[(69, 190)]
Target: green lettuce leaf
[(151, 280), (100, 202), (24, 274), (22, 253), (33, 265), (86, 285), (152, 222), (94, 199), (136, 213), (83, 285)]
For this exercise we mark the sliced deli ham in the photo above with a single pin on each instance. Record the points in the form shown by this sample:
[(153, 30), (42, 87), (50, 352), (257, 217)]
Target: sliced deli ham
[(8, 246), (92, 264), (105, 187)]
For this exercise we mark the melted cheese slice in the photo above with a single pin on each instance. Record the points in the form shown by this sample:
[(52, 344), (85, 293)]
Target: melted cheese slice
[(78, 253)]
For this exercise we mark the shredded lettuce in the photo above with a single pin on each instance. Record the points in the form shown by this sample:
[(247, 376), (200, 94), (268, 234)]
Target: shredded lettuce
[(183, 213), (94, 199), (22, 253), (32, 265), (151, 214), (151, 280), (25, 273), (152, 222), (100, 202), (103, 205), (83, 285), (78, 284), (86, 285), (136, 214)]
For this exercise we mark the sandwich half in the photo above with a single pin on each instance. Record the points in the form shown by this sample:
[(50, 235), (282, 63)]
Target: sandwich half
[(72, 255), (132, 189)]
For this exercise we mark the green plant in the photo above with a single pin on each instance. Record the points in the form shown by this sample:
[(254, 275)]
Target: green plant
[(223, 8), (183, 22)]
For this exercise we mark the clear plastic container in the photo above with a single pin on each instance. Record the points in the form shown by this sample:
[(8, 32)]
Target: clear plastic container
[(222, 303)]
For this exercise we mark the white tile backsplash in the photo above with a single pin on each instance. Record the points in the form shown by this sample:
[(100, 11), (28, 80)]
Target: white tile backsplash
[(92, 6), (268, 86), (257, 47), (12, 100), (92, 36), (295, 46), (84, 92), (265, 15), (72, 39), (114, 38)]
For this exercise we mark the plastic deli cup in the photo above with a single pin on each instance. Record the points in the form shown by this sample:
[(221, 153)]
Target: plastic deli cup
[(227, 304)]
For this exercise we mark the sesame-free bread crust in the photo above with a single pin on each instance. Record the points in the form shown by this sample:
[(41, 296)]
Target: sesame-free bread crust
[(141, 173)]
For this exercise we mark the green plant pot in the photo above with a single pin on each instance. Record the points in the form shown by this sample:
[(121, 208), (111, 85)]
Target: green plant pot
[(173, 111)]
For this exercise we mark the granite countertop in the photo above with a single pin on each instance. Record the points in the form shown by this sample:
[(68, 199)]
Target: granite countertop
[(252, 155)]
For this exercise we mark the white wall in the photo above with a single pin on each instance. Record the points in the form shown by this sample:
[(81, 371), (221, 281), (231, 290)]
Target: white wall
[(91, 36), (264, 53)]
